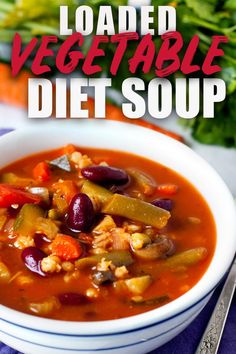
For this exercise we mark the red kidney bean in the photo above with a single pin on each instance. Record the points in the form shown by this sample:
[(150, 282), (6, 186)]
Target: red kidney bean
[(72, 299), (40, 240), (105, 175), (32, 258), (81, 213), (166, 204)]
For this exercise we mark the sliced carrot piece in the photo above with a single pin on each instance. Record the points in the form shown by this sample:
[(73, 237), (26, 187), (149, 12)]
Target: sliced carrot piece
[(66, 189), (42, 172), (66, 247), (167, 189), (68, 149)]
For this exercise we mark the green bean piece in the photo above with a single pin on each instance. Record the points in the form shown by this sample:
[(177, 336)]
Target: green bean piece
[(180, 261), (137, 210), (118, 258), (94, 191), (25, 222), (186, 258), (159, 300)]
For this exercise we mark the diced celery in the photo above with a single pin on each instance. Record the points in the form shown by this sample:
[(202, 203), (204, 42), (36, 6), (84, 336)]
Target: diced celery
[(137, 210), (25, 223)]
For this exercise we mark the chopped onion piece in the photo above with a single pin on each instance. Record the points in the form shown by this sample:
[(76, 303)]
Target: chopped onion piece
[(41, 192)]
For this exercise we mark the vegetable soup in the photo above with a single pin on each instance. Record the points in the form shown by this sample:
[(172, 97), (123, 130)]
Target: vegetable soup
[(89, 234)]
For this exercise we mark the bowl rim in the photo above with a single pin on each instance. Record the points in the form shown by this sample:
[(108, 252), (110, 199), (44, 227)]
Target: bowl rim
[(151, 317)]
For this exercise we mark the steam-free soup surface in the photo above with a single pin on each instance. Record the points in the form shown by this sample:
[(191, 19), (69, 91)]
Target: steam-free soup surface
[(107, 235)]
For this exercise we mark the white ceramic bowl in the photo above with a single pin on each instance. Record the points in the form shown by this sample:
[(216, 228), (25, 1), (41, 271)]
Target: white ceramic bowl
[(141, 333)]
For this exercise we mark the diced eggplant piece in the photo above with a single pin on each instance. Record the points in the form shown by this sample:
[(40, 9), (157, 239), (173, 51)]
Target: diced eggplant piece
[(102, 277), (160, 248), (62, 162), (137, 210)]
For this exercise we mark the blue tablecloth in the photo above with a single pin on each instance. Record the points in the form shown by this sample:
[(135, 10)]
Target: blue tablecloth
[(187, 341)]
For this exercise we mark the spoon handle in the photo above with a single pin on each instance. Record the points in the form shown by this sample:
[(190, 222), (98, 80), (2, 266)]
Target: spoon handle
[(210, 340)]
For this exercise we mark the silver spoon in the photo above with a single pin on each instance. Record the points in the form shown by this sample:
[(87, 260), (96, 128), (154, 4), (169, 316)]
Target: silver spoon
[(210, 340)]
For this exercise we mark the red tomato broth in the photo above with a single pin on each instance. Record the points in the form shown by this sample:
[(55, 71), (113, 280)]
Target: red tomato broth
[(109, 305)]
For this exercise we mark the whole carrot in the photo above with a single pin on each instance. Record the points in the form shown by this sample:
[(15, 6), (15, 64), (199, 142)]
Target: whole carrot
[(13, 91)]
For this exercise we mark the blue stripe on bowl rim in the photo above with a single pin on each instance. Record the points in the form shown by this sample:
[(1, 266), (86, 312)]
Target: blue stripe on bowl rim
[(100, 349)]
